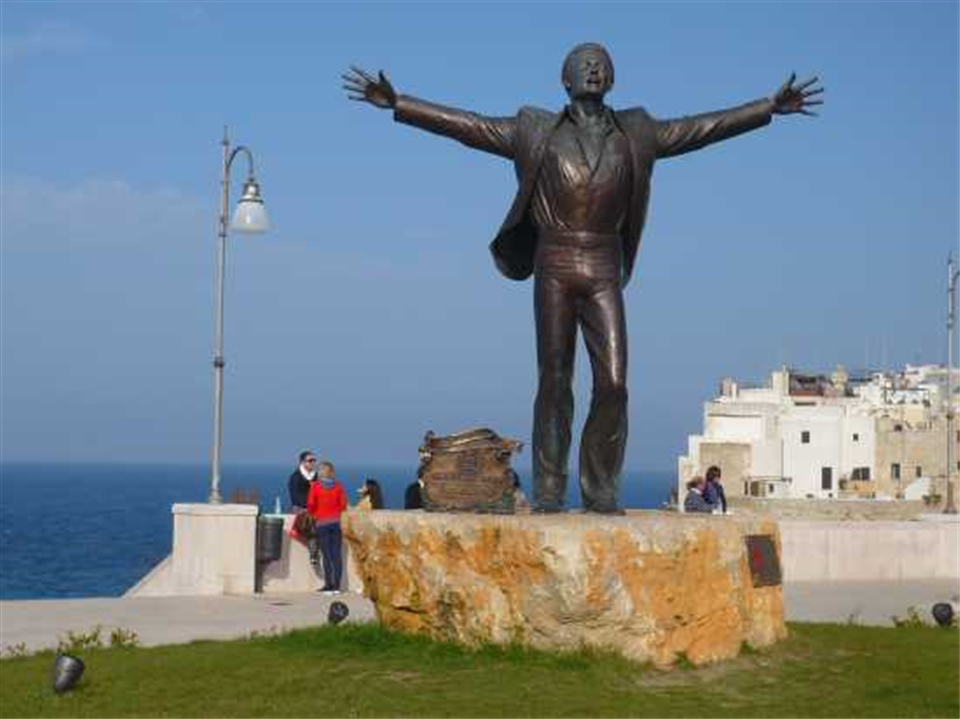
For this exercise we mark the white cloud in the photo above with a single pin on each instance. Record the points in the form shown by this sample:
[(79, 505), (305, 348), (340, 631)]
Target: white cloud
[(45, 39), (98, 211)]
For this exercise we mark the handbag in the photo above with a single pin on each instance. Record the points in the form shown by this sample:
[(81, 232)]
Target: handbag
[(303, 527)]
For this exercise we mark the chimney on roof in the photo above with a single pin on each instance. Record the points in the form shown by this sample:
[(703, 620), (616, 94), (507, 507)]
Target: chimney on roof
[(728, 388), (780, 381), (840, 379)]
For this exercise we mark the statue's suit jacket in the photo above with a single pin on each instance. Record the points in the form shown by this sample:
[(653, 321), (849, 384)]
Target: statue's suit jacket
[(524, 139)]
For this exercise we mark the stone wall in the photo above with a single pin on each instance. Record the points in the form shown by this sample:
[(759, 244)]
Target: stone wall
[(826, 509), (653, 586), (825, 551), (214, 553)]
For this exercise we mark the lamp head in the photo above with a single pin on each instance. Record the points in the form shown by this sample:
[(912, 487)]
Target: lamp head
[(66, 672), (943, 614), (338, 612), (251, 214)]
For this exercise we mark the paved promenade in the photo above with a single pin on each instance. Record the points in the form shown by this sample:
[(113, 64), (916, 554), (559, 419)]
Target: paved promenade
[(169, 620), (871, 603), (172, 620)]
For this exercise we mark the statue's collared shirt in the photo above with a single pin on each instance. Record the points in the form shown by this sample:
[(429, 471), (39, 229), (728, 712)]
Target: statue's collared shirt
[(584, 186), (585, 180)]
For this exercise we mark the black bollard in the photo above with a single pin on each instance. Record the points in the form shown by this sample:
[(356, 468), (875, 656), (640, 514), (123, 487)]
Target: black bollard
[(67, 670), (943, 614), (338, 612)]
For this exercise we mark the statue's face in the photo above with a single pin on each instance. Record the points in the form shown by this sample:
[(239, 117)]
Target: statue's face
[(588, 74)]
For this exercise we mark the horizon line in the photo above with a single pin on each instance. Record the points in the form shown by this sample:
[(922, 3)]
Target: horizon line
[(126, 463)]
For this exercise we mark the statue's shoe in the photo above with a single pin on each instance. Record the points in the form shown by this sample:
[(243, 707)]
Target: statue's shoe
[(610, 509), (548, 508)]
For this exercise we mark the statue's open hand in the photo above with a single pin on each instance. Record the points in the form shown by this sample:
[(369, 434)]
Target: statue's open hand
[(361, 86), (790, 99)]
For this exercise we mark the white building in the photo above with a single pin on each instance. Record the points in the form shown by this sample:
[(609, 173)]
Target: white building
[(806, 436)]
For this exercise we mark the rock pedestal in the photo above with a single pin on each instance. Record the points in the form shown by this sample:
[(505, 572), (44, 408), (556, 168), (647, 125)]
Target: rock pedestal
[(653, 586)]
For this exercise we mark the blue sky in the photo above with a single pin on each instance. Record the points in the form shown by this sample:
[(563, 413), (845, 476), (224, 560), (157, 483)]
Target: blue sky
[(372, 311)]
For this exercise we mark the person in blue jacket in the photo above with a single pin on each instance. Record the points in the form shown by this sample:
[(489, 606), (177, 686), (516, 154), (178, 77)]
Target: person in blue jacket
[(694, 501), (713, 492)]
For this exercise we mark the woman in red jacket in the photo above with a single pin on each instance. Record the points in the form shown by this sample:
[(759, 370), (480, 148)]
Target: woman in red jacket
[(325, 503)]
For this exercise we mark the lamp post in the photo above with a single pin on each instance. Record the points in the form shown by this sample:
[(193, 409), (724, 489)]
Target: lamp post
[(250, 217), (951, 505)]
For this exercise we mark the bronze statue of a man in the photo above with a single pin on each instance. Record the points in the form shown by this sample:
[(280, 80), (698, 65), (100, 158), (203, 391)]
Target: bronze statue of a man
[(575, 224)]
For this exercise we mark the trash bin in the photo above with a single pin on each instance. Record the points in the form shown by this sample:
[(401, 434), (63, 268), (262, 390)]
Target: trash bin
[(269, 538)]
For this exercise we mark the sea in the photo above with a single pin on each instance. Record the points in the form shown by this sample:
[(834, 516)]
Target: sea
[(93, 530)]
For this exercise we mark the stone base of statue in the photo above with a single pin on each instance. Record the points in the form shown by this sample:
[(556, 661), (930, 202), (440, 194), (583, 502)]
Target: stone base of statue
[(654, 586)]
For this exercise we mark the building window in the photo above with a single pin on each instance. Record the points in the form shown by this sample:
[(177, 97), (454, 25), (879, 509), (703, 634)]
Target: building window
[(826, 478), (770, 488), (898, 428), (805, 437), (865, 473), (895, 470), (856, 437), (919, 471)]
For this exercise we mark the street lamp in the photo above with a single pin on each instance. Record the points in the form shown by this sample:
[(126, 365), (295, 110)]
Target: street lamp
[(951, 504), (250, 217)]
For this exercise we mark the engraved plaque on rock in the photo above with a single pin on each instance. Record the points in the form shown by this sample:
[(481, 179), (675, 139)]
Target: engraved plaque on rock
[(763, 559), (468, 472)]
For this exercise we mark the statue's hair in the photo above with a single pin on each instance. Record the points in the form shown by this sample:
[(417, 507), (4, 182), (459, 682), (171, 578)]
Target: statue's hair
[(573, 54)]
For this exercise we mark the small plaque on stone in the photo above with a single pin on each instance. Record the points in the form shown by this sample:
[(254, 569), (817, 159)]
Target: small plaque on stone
[(763, 559), (468, 472)]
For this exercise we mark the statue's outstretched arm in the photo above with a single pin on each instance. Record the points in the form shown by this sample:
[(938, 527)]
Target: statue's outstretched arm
[(685, 134), (490, 134)]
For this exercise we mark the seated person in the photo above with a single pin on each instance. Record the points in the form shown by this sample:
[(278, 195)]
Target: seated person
[(713, 491), (371, 496), (299, 486), (299, 482), (694, 501), (520, 501), (413, 497)]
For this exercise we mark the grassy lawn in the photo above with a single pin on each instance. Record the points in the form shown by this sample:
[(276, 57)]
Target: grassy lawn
[(363, 670)]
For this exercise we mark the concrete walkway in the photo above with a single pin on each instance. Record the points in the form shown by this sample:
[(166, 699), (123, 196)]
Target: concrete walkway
[(168, 620), (871, 603), (173, 620)]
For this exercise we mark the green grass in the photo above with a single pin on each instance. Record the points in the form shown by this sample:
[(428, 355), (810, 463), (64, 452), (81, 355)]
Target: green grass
[(363, 670)]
